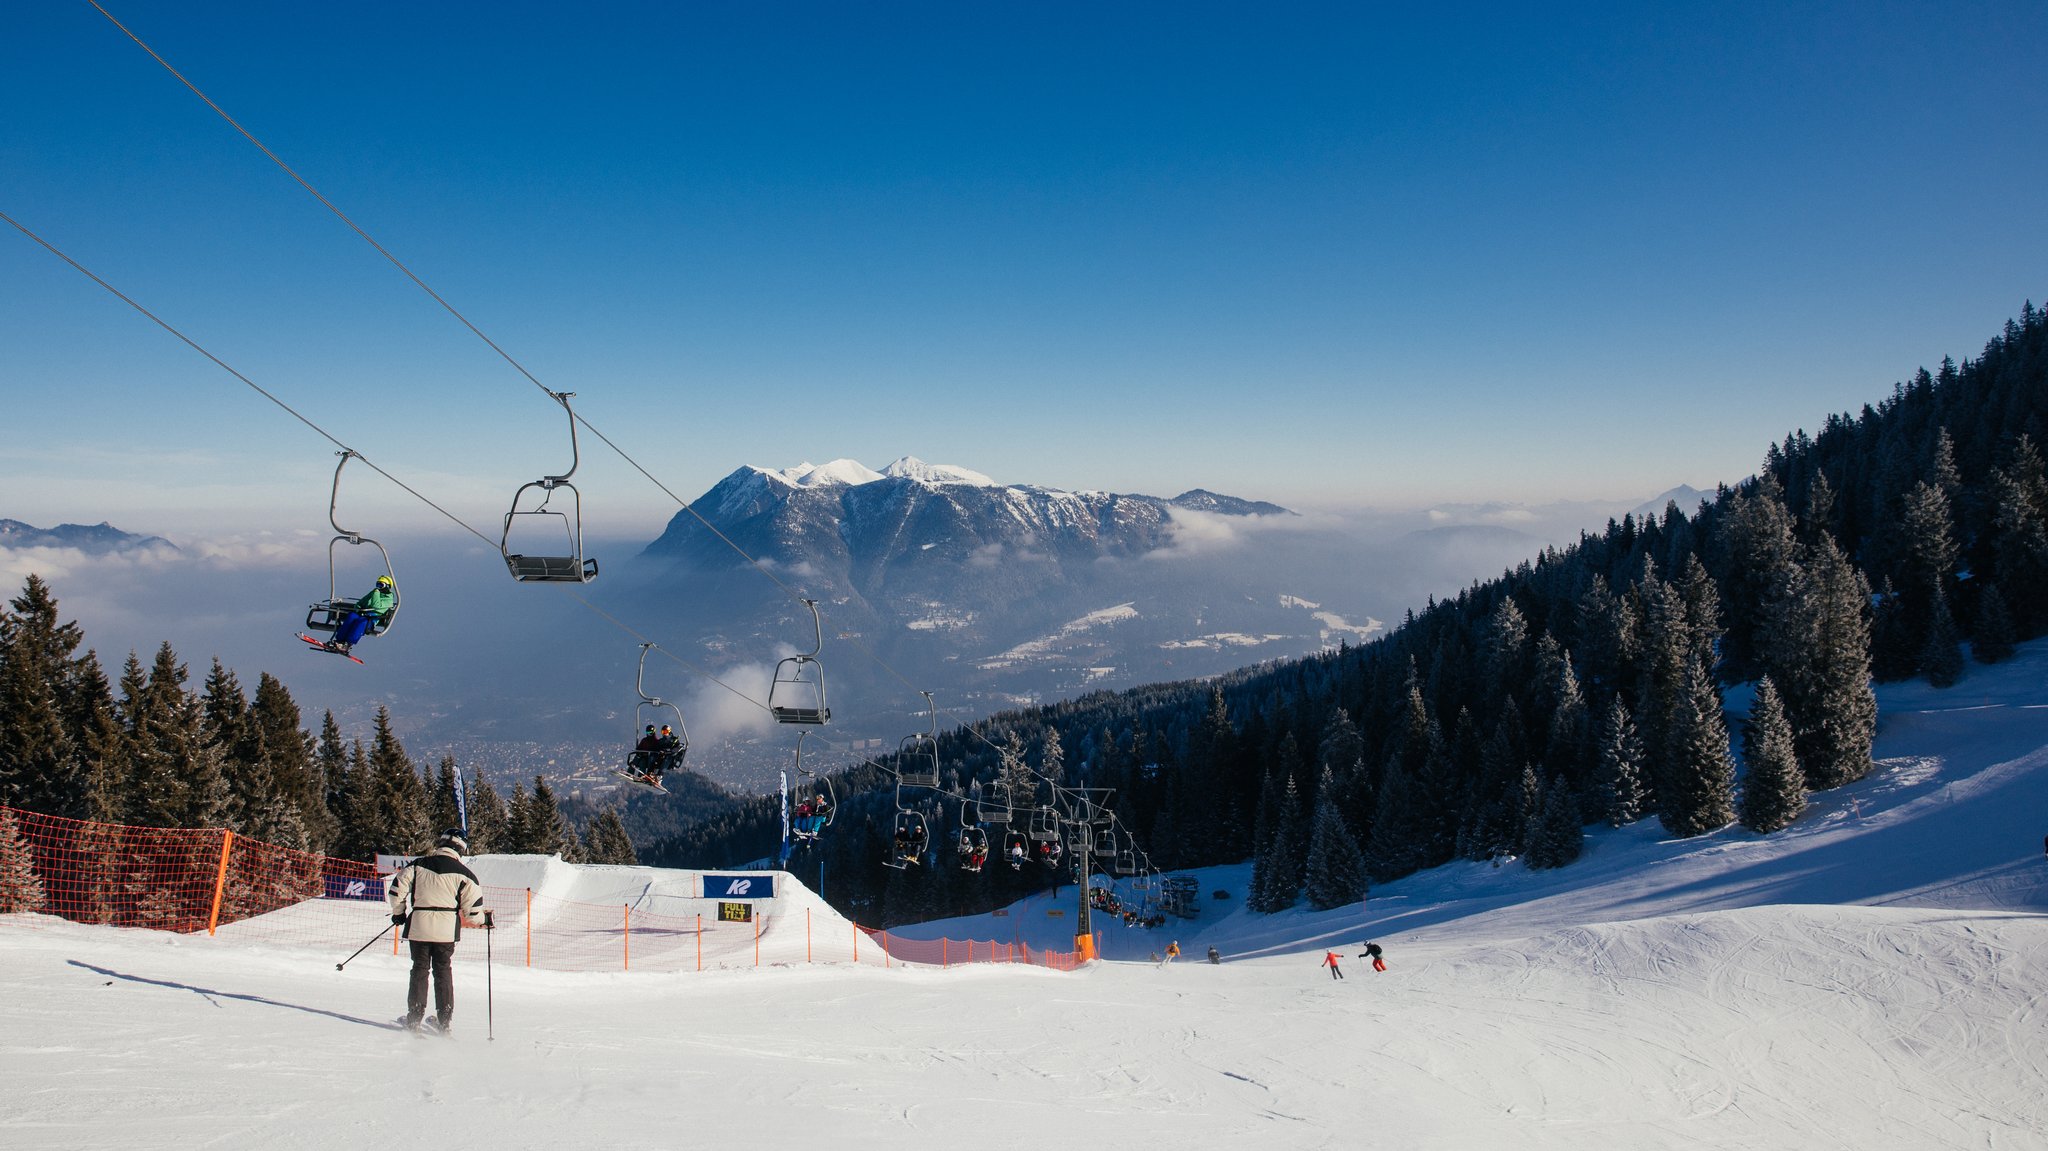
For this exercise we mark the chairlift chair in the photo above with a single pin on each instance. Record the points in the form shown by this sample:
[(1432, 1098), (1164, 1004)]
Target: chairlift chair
[(1016, 848), (571, 568), (819, 820), (973, 842), (1044, 826), (1105, 843), (992, 806), (797, 694), (908, 841), (917, 761), (650, 705), (327, 614)]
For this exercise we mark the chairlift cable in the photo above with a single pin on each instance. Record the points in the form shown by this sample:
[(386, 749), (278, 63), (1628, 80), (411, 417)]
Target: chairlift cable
[(492, 344), (331, 438)]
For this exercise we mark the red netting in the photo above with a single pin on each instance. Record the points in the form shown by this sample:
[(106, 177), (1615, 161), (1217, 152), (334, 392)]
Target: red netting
[(190, 880)]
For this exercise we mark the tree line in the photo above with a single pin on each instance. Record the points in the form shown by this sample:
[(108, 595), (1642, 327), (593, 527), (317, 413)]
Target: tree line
[(149, 750)]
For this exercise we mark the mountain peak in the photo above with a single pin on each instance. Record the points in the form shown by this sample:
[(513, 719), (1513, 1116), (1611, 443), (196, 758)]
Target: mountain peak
[(852, 473), (910, 467)]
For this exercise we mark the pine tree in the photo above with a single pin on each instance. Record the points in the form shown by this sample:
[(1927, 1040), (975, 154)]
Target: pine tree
[(1288, 853), (537, 826), (38, 763), (1818, 657), (394, 797), (1335, 872), (1774, 791), (2019, 530), (20, 888), (488, 818), (1992, 639), (606, 841), (443, 811), (104, 760), (1701, 777), (1621, 795), (1942, 655), (289, 763), (1554, 835)]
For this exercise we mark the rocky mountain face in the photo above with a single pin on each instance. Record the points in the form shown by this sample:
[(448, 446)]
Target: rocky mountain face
[(1001, 593)]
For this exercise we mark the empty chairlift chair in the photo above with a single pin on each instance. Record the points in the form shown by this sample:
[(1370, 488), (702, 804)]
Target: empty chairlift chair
[(798, 693), (326, 615), (917, 761), (549, 568)]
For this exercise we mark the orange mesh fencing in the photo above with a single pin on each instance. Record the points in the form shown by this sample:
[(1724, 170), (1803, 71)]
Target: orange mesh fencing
[(191, 880)]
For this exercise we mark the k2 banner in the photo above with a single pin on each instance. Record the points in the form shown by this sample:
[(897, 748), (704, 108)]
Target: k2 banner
[(739, 887)]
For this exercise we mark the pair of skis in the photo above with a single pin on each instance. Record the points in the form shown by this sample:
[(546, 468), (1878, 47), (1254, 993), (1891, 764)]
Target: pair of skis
[(328, 647)]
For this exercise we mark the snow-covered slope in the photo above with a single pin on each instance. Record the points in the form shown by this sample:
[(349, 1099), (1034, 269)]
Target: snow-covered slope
[(1871, 978)]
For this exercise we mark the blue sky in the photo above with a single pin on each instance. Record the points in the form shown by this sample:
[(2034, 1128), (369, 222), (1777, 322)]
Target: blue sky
[(1326, 256)]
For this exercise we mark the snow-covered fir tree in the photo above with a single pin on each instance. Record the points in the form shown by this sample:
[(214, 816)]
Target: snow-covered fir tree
[(1774, 789), (1620, 768), (1555, 836), (1335, 871), (1701, 776)]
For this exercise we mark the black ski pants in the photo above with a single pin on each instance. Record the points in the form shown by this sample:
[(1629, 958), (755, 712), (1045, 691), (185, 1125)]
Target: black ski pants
[(438, 958)]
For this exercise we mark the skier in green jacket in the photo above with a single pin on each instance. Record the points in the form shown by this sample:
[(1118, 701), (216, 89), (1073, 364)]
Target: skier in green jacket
[(374, 607)]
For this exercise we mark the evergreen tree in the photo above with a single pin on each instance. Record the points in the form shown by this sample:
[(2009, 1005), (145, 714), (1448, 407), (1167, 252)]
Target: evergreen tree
[(288, 758), (225, 713), (1504, 654), (1288, 854), (2019, 530), (537, 826), (1701, 777), (1335, 871), (395, 799), (38, 764), (606, 841), (488, 818), (180, 772), (1942, 655), (442, 809), (1774, 791), (21, 889), (102, 748), (1992, 639), (1621, 796), (1568, 745), (1893, 654), (1554, 836), (1818, 658)]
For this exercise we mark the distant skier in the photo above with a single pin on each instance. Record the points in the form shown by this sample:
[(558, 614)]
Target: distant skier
[(368, 611), (1215, 956), (433, 898), (1330, 961), (1372, 952), (1172, 953)]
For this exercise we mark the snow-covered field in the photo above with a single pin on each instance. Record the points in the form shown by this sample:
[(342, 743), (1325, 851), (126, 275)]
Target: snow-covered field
[(1872, 978)]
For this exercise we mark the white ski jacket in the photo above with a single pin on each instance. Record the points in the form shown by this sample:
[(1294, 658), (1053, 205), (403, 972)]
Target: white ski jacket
[(444, 895)]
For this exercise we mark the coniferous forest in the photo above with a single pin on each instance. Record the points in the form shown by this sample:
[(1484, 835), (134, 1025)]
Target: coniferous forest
[(1583, 687), (153, 751)]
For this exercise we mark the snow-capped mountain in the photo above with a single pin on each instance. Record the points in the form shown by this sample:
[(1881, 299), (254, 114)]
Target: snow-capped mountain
[(1006, 592)]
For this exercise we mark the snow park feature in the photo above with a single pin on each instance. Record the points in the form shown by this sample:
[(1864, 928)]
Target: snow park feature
[(1871, 977)]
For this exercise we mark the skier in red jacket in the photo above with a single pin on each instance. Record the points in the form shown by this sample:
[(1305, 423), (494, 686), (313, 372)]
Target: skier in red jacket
[(1330, 961)]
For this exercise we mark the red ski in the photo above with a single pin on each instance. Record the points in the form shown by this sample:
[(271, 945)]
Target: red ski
[(328, 648), (653, 782)]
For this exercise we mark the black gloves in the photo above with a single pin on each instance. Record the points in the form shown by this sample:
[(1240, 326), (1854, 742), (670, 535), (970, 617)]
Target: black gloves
[(397, 919)]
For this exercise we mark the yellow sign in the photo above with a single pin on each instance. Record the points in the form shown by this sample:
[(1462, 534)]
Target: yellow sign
[(736, 912), (1056, 912)]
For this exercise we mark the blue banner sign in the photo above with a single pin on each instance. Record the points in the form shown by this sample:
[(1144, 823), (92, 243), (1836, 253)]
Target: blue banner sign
[(739, 887), (352, 887)]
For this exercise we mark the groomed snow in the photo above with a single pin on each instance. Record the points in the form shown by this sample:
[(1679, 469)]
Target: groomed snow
[(1871, 978)]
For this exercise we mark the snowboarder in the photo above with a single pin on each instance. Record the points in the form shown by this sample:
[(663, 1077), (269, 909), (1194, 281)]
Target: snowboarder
[(433, 898), (1330, 961), (646, 757), (1372, 952), (369, 610)]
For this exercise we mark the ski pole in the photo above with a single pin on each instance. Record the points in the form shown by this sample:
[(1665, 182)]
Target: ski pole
[(363, 948), (490, 1022)]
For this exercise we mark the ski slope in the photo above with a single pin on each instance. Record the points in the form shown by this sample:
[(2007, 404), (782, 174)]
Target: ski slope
[(1872, 978)]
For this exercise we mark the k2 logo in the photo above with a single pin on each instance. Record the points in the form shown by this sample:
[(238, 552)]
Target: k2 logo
[(738, 886), (357, 888)]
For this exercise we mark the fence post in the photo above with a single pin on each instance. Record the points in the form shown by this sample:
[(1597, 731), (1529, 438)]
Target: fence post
[(856, 943), (945, 958), (700, 941), (756, 920), (807, 935), (529, 927), (885, 949), (220, 880), (626, 960)]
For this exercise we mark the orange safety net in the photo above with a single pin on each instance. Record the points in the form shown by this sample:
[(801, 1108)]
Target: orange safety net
[(190, 880)]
